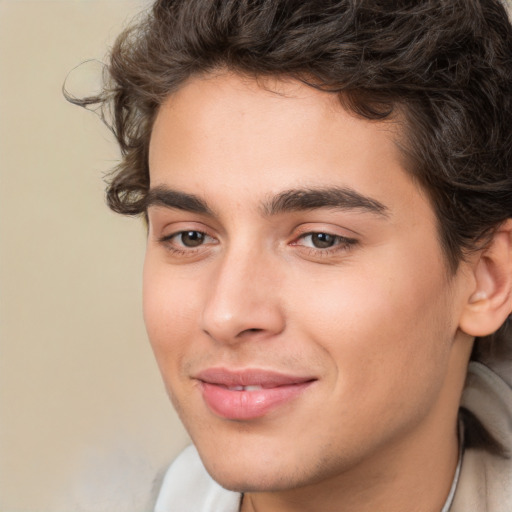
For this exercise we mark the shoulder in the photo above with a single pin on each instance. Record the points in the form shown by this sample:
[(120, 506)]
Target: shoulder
[(486, 478), (187, 487)]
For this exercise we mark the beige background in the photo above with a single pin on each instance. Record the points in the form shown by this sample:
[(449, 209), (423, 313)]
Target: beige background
[(85, 423)]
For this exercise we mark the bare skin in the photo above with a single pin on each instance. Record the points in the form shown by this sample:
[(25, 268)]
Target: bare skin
[(354, 295)]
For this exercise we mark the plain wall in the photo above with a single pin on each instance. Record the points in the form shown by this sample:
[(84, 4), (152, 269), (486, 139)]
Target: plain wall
[(85, 424)]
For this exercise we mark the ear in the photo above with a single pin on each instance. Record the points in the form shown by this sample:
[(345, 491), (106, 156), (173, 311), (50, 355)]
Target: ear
[(490, 299)]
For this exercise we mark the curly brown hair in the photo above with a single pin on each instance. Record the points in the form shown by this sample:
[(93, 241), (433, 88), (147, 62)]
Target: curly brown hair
[(446, 65)]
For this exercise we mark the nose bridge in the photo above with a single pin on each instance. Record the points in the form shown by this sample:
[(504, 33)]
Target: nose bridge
[(243, 297)]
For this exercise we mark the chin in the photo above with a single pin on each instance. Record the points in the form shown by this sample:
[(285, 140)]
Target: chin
[(250, 480), (260, 471)]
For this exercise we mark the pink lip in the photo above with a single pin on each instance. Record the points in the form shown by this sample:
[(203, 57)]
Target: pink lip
[(276, 389)]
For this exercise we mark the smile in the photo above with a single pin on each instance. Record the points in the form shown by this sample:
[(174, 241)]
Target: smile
[(248, 394)]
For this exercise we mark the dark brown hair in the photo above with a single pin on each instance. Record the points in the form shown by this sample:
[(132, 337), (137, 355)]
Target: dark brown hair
[(446, 65)]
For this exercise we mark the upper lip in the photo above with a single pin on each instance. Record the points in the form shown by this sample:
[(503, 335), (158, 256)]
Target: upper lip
[(249, 377)]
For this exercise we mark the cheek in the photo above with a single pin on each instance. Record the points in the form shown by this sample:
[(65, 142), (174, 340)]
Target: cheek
[(169, 315), (385, 328)]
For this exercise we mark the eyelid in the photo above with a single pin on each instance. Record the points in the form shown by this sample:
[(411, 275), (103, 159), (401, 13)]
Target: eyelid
[(339, 238), (165, 228), (333, 229), (325, 227), (334, 235), (170, 236)]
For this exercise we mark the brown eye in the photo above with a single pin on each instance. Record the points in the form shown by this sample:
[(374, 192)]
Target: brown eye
[(325, 243), (192, 238), (323, 240)]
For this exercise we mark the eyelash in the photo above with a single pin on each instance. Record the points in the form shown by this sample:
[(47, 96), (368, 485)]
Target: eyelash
[(341, 244)]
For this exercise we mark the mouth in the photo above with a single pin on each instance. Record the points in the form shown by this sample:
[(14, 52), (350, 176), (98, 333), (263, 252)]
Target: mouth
[(249, 394)]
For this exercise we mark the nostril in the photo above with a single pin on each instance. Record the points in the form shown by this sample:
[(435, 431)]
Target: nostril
[(254, 330)]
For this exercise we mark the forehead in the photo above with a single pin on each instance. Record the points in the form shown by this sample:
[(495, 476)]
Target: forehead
[(205, 102), (234, 136)]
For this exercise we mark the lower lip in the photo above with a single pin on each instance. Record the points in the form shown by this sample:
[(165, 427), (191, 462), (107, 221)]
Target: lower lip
[(248, 405)]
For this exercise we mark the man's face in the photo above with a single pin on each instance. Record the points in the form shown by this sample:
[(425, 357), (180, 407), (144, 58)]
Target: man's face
[(295, 293)]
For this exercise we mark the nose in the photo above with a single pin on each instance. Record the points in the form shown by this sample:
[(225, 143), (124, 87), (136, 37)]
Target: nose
[(243, 301)]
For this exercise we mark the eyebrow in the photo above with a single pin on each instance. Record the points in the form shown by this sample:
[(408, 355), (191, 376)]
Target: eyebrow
[(338, 198), (169, 198), (293, 200)]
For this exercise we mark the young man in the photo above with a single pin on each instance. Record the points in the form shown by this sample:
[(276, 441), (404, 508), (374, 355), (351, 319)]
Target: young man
[(328, 190)]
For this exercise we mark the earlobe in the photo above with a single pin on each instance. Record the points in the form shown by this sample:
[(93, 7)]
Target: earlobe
[(490, 300)]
